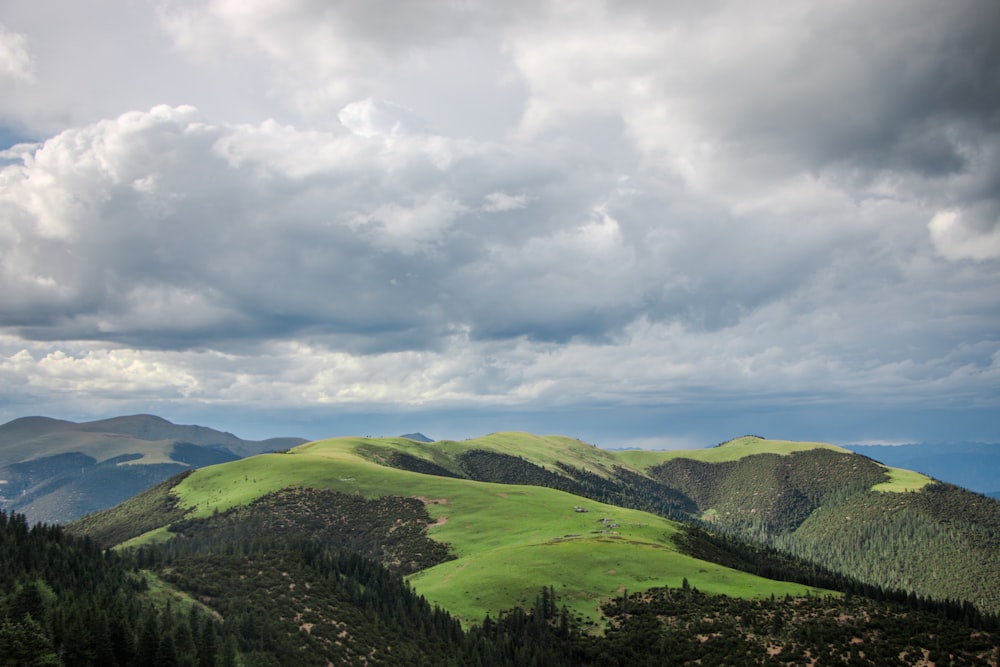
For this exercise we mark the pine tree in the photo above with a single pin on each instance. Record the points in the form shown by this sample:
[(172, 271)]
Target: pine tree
[(24, 644), (166, 652)]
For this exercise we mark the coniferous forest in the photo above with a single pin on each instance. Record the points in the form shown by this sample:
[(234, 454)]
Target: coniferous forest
[(66, 601)]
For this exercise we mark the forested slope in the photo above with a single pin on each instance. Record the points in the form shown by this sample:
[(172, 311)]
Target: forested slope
[(64, 601), (293, 578)]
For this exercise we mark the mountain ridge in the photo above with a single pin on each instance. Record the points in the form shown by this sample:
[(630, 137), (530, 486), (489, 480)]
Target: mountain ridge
[(523, 534), (56, 470), (764, 491)]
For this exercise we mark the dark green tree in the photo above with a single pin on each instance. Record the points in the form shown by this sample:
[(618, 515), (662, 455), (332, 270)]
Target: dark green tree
[(24, 643)]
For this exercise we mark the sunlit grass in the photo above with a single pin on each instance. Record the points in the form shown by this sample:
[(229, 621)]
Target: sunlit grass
[(901, 480), (509, 540), (730, 451), (584, 571), (157, 536)]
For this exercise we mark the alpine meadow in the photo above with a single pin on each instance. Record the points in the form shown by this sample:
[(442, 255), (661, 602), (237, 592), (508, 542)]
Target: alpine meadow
[(531, 333)]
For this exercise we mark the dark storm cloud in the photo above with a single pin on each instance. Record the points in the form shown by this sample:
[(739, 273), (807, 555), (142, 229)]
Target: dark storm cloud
[(903, 86)]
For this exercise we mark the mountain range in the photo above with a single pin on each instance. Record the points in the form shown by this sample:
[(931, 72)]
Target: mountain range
[(515, 548), (54, 470)]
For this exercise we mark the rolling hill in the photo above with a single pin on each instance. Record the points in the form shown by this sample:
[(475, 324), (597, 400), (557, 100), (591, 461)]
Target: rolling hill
[(516, 507), (478, 528), (54, 470), (506, 540)]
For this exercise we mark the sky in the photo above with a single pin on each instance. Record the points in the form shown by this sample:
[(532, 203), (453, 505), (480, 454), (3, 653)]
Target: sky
[(643, 224)]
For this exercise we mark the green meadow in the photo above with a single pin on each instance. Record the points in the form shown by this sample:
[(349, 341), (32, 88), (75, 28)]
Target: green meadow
[(509, 540), (901, 480), (728, 451)]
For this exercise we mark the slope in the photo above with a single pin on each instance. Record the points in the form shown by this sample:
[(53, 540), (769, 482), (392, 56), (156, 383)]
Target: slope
[(886, 526), (507, 540), (890, 527), (810, 500)]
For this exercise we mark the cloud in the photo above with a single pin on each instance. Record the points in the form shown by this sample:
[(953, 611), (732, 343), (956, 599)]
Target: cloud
[(955, 238), (15, 59), (496, 202), (319, 57), (165, 229), (297, 203), (772, 89), (161, 226), (378, 118)]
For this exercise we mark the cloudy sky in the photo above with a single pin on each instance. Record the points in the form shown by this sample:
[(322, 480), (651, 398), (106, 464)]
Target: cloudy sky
[(639, 223)]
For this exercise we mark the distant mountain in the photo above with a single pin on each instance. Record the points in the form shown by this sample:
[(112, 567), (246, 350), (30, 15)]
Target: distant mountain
[(974, 465), (54, 470), (417, 437)]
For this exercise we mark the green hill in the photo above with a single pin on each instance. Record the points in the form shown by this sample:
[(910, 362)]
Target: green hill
[(478, 528), (885, 526), (506, 540), (518, 511)]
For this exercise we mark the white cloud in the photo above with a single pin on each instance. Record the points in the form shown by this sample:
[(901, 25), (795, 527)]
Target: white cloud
[(956, 239), (95, 373), (15, 59), (409, 229), (379, 118), (496, 202)]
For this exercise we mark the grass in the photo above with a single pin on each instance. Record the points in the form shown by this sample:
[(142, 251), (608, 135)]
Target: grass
[(163, 593), (509, 540), (546, 450), (730, 451), (156, 536), (584, 571), (901, 480)]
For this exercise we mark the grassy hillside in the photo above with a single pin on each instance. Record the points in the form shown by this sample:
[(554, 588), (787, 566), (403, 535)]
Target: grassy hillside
[(507, 540), (519, 511), (731, 450), (886, 526)]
